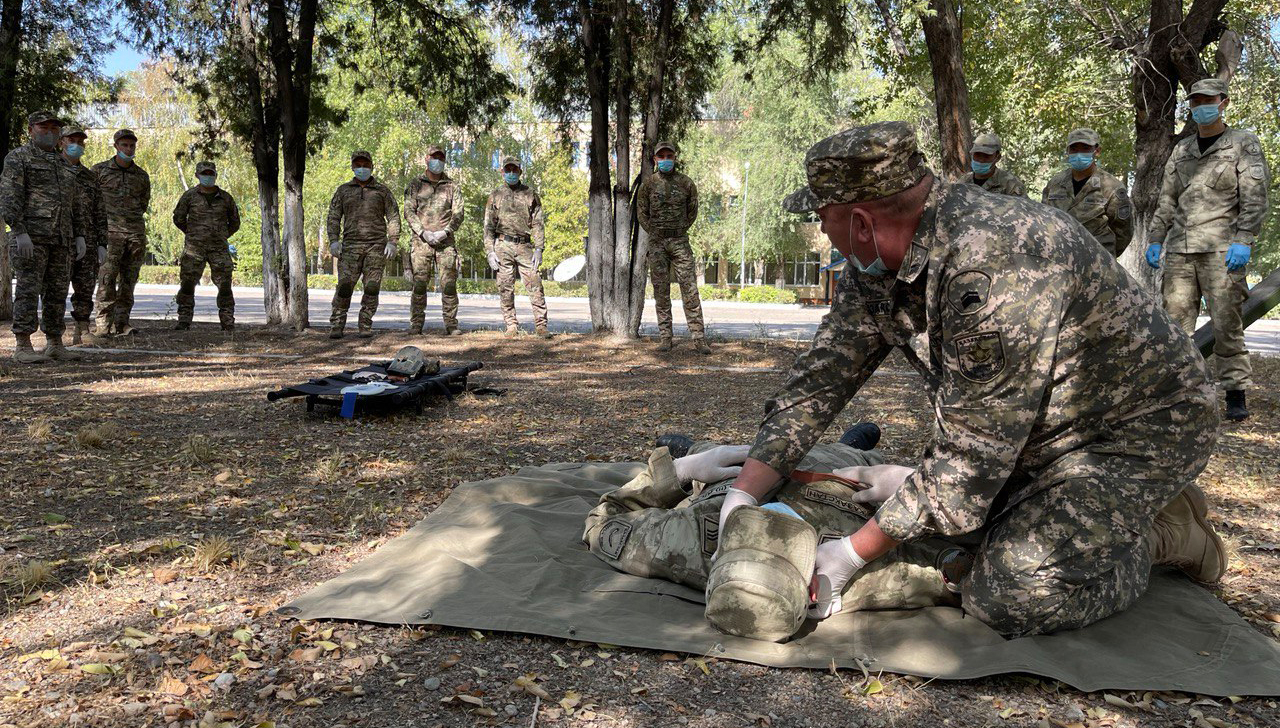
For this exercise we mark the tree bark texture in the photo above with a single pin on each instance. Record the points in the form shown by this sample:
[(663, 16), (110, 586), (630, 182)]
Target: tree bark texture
[(595, 38), (10, 129), (944, 38)]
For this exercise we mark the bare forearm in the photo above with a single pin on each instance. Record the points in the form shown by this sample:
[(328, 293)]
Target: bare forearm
[(757, 479), (870, 542)]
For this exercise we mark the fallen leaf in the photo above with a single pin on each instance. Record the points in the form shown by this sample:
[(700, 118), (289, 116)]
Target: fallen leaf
[(326, 645), (309, 702), (98, 668), (203, 663), (873, 687), (163, 575), (528, 684), (570, 700), (243, 636), (450, 661), (173, 686)]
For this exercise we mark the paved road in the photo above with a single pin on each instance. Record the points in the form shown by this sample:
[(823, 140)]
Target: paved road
[(731, 320)]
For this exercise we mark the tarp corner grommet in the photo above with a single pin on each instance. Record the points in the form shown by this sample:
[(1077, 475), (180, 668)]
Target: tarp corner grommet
[(425, 614)]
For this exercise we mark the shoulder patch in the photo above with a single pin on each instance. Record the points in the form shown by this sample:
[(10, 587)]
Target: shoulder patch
[(613, 537), (968, 291), (1257, 171), (1254, 148), (980, 356), (709, 535)]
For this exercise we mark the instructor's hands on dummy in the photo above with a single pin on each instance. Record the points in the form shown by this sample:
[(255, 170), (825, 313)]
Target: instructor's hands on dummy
[(24, 245), (80, 248), (335, 249), (882, 481), (834, 567), (712, 466)]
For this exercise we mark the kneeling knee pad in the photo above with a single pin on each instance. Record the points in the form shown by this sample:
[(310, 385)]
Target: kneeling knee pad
[(759, 584)]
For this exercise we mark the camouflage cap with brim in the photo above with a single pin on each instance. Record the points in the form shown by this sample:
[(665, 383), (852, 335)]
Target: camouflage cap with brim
[(1208, 87), (202, 167), (1084, 135), (124, 134), (70, 130), (859, 165), (435, 149), (508, 161), (362, 154), (666, 145), (988, 143), (40, 117)]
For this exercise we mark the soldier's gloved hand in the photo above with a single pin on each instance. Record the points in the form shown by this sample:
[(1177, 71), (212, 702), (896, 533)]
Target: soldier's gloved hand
[(438, 236), (335, 248), (102, 254), (24, 245), (882, 481), (712, 466), (834, 567), (493, 259), (390, 250), (80, 248), (734, 498), (537, 260), (1153, 254), (1238, 256)]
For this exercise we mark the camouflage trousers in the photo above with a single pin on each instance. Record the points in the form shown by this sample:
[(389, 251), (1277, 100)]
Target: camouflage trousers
[(84, 278), (40, 296), (191, 268), (516, 258), (358, 261), (664, 254), (424, 259), (1187, 277), (118, 277)]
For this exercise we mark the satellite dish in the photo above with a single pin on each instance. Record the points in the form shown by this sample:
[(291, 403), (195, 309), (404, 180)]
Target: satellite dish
[(568, 268)]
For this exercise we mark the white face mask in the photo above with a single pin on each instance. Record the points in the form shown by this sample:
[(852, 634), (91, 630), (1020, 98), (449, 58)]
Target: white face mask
[(877, 267)]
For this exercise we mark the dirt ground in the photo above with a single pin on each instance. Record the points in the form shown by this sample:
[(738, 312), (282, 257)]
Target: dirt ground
[(158, 509)]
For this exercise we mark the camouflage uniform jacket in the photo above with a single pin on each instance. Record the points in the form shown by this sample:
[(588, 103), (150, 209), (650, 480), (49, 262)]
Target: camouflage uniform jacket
[(206, 220), (1209, 201), (514, 211), (1043, 358), (667, 204), (432, 206), (91, 202), (1102, 206), (1001, 181), (39, 196), (126, 192), (363, 213)]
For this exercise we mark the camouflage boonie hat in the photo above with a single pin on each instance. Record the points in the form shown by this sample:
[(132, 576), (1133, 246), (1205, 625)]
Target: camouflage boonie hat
[(1209, 87), (859, 165), (124, 134), (988, 143), (666, 145), (435, 149), (73, 130), (758, 586), (41, 117), (1084, 136), (512, 160), (361, 154), (206, 166)]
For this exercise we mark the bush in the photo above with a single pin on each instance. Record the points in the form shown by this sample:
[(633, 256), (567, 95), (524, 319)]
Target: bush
[(714, 293), (468, 285), (163, 275), (766, 294)]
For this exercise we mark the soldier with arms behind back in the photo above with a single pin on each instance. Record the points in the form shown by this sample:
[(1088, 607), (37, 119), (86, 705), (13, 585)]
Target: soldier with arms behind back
[(126, 192), (84, 271), (208, 216)]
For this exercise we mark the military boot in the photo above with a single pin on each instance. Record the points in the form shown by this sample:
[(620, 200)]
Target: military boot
[(452, 331), (675, 443), (82, 330), (701, 345), (229, 327), (664, 343), (512, 331), (182, 326), (1182, 536), (55, 350), (415, 327), (863, 436), (1236, 410), (365, 332), (103, 328), (24, 353), (126, 330), (541, 331)]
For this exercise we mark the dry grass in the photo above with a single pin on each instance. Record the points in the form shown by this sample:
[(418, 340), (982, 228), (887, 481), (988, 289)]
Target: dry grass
[(199, 450), (30, 576), (100, 435), (40, 430), (328, 469), (211, 552)]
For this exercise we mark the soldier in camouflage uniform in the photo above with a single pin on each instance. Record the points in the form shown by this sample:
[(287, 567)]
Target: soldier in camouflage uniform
[(40, 202), (513, 242), (1091, 194), (364, 229), (126, 193), (1213, 202), (433, 209), (667, 206), (84, 272), (1072, 415), (983, 158), (208, 216)]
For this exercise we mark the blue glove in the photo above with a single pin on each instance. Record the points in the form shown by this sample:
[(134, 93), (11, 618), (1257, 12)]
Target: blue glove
[(1153, 254), (1238, 256)]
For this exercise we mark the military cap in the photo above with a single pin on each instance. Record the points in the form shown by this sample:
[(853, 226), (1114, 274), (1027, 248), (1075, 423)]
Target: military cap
[(361, 154), (859, 165), (1209, 87), (124, 134), (666, 145), (511, 160), (435, 149), (41, 117), (73, 130), (988, 143), (206, 166), (758, 586), (1084, 136)]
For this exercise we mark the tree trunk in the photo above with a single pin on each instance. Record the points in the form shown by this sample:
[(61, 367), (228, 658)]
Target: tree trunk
[(10, 46), (943, 36), (617, 310), (595, 33)]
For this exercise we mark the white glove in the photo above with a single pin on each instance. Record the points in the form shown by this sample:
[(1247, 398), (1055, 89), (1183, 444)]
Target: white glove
[(883, 481), (835, 566), (390, 250), (712, 466), (439, 235), (493, 259), (80, 248), (102, 255), (734, 498), (25, 247), (537, 260), (335, 248)]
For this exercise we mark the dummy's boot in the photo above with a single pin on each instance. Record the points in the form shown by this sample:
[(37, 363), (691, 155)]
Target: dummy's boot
[(23, 353), (55, 350), (664, 342), (1236, 410), (863, 436), (701, 345), (541, 331), (675, 443), (1182, 536), (512, 331), (77, 336)]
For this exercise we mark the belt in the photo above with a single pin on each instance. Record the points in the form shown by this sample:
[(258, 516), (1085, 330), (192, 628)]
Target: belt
[(522, 239), (670, 233)]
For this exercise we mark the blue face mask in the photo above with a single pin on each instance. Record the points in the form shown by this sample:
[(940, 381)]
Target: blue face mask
[(1080, 161), (666, 165), (980, 167), (436, 166), (877, 267), (208, 180), (511, 178), (75, 151), (362, 173), (124, 157), (1205, 114)]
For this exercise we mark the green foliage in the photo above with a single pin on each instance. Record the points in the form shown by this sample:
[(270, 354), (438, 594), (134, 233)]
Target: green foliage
[(766, 294), (564, 206), (710, 293)]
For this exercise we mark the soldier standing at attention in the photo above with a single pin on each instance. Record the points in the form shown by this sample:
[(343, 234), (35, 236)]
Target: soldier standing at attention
[(667, 205), (126, 192), (513, 242), (84, 271), (983, 158), (1213, 202), (39, 201), (364, 228), (208, 216), (1091, 194), (433, 209)]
